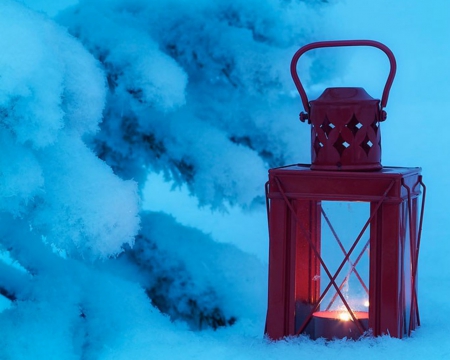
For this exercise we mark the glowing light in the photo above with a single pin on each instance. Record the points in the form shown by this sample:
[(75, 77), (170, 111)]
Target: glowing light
[(344, 316), (366, 303)]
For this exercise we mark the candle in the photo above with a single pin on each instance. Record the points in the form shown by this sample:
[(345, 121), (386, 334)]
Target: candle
[(339, 324)]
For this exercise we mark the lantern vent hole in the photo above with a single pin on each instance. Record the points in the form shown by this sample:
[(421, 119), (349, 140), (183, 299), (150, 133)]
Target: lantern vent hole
[(354, 125), (317, 145), (366, 145), (327, 127), (341, 144), (375, 126)]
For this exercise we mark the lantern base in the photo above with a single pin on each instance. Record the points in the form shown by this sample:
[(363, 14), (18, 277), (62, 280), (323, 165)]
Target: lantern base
[(338, 325)]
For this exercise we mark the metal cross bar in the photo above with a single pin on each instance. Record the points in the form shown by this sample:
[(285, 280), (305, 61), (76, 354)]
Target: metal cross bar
[(352, 269)]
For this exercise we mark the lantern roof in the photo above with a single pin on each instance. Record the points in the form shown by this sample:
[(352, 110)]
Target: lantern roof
[(344, 95)]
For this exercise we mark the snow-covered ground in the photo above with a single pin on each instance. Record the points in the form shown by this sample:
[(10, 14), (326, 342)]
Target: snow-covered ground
[(56, 192)]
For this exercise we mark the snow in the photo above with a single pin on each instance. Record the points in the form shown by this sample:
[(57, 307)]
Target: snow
[(224, 226), (70, 73)]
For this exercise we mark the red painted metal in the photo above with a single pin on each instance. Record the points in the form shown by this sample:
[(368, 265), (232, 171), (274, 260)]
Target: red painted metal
[(308, 291), (345, 131), (295, 195)]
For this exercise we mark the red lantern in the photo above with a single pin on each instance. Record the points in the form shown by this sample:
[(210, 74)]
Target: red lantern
[(344, 244)]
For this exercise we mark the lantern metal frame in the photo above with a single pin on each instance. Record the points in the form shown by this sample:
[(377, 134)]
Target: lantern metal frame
[(294, 194)]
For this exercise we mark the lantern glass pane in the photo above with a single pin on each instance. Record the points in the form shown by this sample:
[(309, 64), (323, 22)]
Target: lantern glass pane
[(341, 227)]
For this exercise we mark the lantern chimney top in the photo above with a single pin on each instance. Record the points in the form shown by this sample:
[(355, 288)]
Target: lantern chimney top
[(345, 121)]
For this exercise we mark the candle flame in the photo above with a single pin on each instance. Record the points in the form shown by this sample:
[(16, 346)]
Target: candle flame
[(344, 316)]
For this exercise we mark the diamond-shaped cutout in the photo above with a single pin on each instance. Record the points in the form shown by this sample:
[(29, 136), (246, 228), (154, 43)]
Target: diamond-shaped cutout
[(341, 144), (327, 127), (354, 125), (317, 145), (374, 126), (366, 145)]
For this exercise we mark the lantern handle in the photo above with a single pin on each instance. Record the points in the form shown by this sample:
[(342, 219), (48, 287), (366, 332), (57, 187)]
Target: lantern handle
[(341, 43)]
